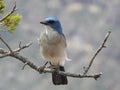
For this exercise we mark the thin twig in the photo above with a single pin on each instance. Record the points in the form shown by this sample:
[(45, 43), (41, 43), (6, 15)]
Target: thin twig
[(20, 44), (99, 49), (2, 51), (4, 55), (24, 65), (22, 47), (6, 44), (11, 12)]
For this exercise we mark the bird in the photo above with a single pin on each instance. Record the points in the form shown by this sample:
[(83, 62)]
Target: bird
[(53, 48)]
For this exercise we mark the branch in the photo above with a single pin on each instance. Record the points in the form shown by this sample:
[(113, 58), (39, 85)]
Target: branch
[(6, 44), (15, 54), (22, 47), (11, 12), (2, 51), (99, 49), (95, 76), (11, 52), (49, 70)]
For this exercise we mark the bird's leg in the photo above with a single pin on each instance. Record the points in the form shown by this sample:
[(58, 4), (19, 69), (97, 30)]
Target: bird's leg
[(45, 64), (50, 64), (40, 69)]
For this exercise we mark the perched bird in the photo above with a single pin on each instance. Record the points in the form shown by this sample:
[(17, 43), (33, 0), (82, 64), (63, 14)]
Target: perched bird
[(52, 48)]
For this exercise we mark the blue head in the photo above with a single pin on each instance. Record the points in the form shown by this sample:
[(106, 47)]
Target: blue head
[(54, 23)]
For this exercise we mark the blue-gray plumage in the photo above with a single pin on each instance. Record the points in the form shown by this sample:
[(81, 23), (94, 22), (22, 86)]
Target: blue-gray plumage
[(52, 46)]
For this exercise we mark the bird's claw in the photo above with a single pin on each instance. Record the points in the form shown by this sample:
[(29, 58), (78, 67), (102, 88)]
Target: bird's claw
[(52, 67), (41, 69)]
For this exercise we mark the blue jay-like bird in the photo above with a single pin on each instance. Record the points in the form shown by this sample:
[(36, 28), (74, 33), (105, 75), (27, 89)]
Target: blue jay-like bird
[(53, 45)]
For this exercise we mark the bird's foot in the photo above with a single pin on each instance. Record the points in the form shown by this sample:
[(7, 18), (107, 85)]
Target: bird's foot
[(41, 69), (52, 67)]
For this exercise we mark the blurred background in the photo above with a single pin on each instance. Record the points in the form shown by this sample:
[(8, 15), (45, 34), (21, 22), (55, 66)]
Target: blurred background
[(85, 23)]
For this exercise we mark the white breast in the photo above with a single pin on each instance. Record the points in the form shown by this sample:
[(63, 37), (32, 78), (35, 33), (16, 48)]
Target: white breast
[(52, 46)]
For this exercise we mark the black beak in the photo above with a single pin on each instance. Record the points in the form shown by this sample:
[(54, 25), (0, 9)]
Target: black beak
[(45, 23)]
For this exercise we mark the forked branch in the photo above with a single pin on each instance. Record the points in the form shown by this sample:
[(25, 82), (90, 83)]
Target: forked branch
[(99, 49), (15, 54)]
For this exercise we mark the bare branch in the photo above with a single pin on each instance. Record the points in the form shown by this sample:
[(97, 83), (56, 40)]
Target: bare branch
[(4, 55), (99, 49), (6, 44), (95, 76), (11, 12), (25, 60), (49, 70), (24, 65), (2, 51), (10, 52), (15, 54), (20, 44), (22, 47)]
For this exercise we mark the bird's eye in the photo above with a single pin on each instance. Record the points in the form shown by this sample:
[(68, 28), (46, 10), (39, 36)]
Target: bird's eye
[(51, 22)]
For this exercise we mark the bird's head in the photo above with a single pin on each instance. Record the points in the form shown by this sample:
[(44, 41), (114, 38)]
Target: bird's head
[(53, 23)]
